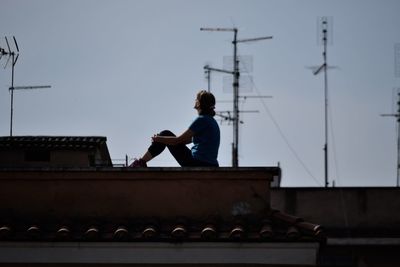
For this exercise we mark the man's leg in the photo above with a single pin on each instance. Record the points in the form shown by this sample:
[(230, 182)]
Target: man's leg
[(180, 152)]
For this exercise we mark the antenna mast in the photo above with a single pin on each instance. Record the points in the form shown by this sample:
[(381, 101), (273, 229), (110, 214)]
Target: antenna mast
[(14, 57), (324, 67), (235, 85)]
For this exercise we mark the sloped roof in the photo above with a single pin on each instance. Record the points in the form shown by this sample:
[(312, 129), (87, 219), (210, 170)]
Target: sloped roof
[(52, 142), (10, 146)]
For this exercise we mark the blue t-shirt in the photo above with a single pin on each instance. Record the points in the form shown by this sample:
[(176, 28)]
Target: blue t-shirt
[(206, 139)]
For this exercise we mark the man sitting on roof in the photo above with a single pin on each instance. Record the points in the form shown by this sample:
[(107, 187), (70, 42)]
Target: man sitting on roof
[(203, 132)]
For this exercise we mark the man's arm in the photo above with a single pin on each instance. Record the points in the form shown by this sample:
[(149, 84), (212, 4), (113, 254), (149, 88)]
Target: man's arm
[(184, 138)]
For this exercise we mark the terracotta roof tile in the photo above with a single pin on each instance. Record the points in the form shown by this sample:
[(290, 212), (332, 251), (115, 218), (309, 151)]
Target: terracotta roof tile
[(164, 231), (70, 142)]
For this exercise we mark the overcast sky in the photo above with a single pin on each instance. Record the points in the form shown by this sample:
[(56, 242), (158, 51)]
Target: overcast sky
[(129, 69)]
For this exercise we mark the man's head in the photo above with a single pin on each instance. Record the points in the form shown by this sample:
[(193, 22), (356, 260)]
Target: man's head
[(205, 103)]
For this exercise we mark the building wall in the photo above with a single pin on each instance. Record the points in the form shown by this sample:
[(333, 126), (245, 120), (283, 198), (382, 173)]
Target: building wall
[(46, 158), (342, 208), (362, 224), (114, 194), (71, 158)]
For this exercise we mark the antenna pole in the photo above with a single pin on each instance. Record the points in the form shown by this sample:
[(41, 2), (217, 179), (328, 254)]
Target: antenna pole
[(324, 31), (398, 141), (12, 94), (324, 67), (209, 80), (236, 75)]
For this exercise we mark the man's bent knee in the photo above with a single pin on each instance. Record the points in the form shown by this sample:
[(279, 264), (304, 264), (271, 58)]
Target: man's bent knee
[(166, 133)]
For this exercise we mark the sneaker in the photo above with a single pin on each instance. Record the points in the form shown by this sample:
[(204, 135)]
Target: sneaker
[(138, 163)]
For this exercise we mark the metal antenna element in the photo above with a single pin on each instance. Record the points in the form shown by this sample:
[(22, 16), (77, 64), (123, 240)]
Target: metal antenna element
[(208, 68), (255, 96), (226, 115), (324, 67), (397, 116), (219, 29), (317, 69), (236, 74), (30, 87), (15, 42), (207, 72)]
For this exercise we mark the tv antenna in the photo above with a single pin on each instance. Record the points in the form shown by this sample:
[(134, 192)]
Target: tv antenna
[(323, 26), (236, 74), (13, 56)]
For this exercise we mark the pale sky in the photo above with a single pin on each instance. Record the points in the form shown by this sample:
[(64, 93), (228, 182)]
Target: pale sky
[(129, 69)]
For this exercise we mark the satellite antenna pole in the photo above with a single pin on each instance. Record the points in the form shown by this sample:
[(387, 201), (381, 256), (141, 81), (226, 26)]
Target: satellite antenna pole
[(325, 69), (235, 85)]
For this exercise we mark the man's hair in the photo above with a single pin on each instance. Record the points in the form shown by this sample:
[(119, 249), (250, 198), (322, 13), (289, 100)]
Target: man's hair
[(207, 103)]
